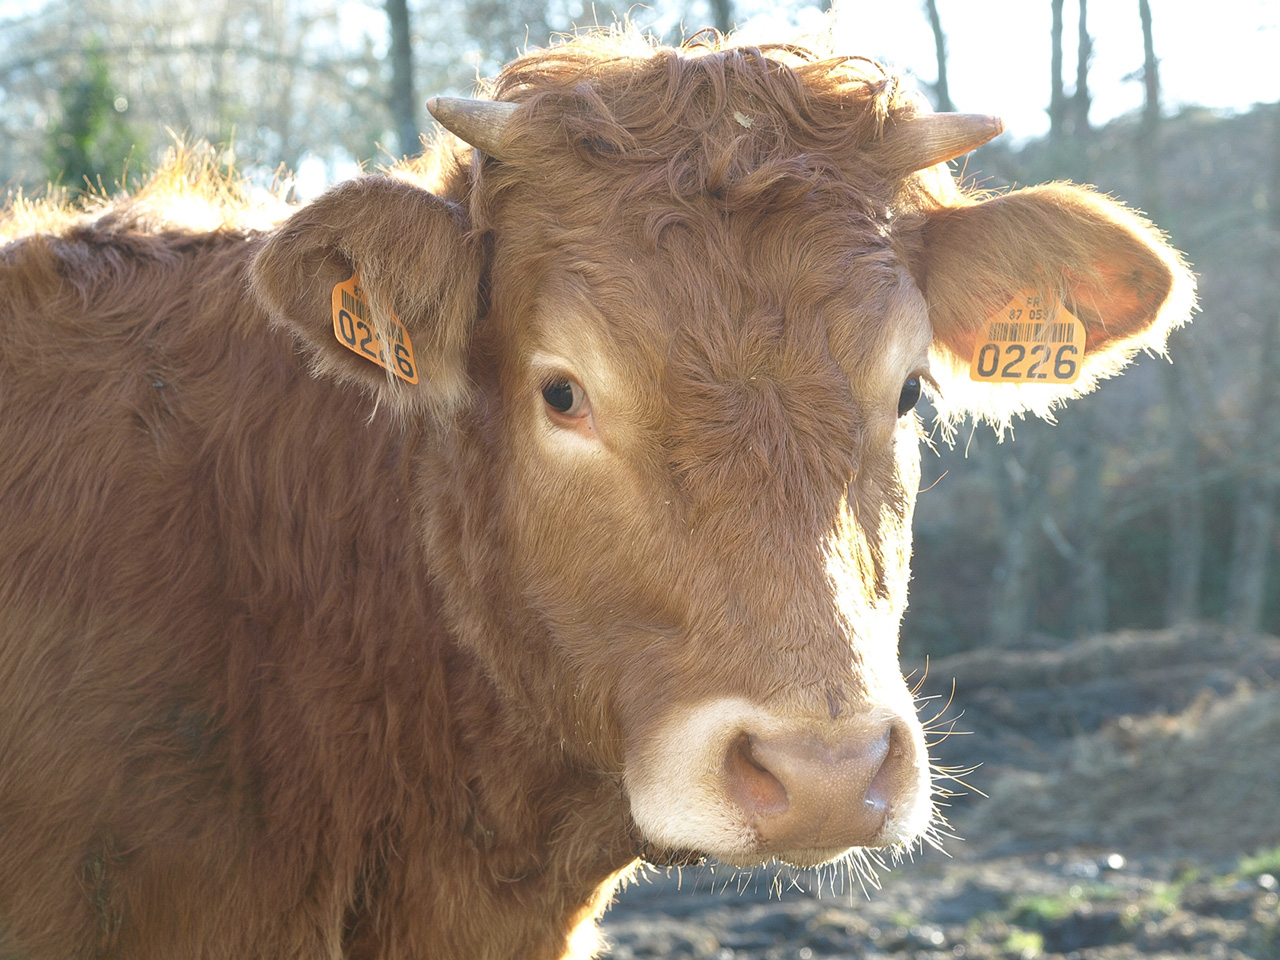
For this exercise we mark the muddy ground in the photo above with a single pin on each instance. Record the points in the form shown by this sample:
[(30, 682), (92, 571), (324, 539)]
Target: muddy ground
[(1132, 810)]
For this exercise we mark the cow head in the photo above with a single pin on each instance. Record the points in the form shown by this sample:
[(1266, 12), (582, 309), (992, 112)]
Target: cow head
[(672, 316)]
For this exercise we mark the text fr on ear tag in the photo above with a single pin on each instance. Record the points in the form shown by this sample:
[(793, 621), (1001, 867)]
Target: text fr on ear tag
[(353, 326), (1032, 339)]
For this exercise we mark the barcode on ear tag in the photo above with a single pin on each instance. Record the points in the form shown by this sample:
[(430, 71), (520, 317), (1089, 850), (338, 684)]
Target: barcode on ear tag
[(353, 326), (1030, 340)]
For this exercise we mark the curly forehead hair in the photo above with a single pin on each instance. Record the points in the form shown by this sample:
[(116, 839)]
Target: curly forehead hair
[(737, 124)]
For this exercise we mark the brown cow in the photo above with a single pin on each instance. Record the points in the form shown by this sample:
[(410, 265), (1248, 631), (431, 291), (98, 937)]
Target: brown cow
[(299, 658)]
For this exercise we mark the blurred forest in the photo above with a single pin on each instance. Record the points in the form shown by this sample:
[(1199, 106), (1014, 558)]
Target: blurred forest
[(1151, 503)]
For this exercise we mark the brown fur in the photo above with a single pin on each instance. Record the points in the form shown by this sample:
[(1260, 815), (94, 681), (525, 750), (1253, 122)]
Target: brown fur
[(299, 665)]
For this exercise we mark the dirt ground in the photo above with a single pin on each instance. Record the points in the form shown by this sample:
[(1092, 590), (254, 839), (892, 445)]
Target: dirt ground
[(1132, 810)]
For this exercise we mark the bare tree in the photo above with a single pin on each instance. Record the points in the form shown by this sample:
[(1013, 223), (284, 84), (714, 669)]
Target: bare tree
[(270, 79), (1150, 71), (1256, 498), (1057, 95), (722, 15), (1273, 206), (940, 88), (403, 102), (1088, 449), (1084, 52), (501, 29), (1186, 502), (1149, 130), (1018, 474)]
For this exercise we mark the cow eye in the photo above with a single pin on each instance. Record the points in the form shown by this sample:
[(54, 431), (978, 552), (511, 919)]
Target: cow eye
[(910, 395), (566, 397)]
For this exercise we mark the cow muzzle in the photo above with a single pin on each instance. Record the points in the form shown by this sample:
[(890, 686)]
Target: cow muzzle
[(744, 785)]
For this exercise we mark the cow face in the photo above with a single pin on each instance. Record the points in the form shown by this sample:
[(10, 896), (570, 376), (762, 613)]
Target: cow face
[(671, 503), (711, 481)]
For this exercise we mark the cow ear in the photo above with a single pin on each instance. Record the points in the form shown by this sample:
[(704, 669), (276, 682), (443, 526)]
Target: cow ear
[(1061, 244), (410, 274)]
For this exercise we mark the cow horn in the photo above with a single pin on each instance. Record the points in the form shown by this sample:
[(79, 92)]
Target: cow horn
[(933, 138), (477, 122)]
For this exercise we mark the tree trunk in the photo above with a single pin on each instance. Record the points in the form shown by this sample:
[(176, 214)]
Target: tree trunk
[(1149, 132), (1020, 489), (1186, 502), (940, 89), (1150, 71), (1273, 205), (722, 14), (1057, 96), (1256, 503), (402, 97), (1080, 99), (1089, 612)]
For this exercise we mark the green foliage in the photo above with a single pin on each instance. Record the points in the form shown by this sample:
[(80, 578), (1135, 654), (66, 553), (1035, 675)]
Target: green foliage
[(1038, 911), (1042, 910), (1264, 861), (1165, 898), (91, 142), (1023, 943), (904, 918)]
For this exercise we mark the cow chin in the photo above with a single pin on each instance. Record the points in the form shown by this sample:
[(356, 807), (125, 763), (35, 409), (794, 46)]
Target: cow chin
[(729, 780)]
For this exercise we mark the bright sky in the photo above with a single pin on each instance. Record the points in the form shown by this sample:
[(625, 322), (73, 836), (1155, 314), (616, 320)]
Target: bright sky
[(1224, 53)]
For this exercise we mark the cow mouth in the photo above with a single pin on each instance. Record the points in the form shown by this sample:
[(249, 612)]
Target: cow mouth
[(656, 855), (659, 856), (734, 782)]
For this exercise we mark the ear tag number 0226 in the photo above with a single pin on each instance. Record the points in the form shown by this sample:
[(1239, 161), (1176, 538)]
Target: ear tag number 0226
[(353, 326), (1030, 340)]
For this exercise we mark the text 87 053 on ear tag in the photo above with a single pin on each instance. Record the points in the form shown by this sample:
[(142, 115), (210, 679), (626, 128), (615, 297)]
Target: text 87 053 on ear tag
[(354, 328), (1030, 340)]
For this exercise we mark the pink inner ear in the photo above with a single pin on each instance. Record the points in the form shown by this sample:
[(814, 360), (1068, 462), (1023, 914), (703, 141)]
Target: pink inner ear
[(1116, 302)]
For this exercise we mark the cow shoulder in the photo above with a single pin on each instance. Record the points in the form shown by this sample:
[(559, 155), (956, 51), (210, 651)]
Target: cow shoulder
[(418, 269)]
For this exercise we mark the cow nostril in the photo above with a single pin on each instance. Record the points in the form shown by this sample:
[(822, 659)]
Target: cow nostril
[(896, 771), (802, 791), (752, 786)]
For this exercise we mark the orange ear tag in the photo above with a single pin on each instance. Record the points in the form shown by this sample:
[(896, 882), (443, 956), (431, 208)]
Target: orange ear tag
[(1029, 342), (353, 326)]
